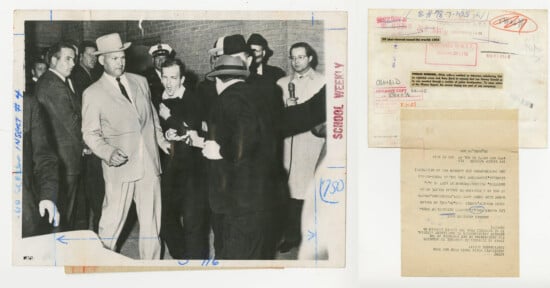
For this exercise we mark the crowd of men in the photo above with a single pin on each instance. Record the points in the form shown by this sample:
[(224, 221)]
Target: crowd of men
[(231, 155)]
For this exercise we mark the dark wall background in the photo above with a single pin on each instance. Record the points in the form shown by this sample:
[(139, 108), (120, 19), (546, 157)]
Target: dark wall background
[(190, 39)]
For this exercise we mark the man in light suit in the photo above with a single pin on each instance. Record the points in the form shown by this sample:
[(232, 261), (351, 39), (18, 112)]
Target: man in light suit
[(301, 151), (121, 127)]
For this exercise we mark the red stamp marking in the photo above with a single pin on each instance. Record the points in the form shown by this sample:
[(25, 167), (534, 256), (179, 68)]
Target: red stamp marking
[(390, 99), (391, 22), (451, 54), (398, 93), (514, 22)]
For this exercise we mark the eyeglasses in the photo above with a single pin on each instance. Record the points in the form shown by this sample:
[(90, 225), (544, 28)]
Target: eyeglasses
[(299, 57)]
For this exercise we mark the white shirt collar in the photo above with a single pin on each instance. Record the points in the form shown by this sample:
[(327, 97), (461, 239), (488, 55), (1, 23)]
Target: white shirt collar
[(309, 74), (123, 80), (68, 80), (57, 73), (177, 94), (221, 86), (260, 70), (113, 79)]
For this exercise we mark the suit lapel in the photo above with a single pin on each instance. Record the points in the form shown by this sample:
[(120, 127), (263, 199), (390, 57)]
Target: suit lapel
[(75, 101), (139, 105), (116, 95), (68, 93)]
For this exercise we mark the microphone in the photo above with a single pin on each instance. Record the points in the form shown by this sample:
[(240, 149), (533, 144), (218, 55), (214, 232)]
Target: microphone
[(292, 90)]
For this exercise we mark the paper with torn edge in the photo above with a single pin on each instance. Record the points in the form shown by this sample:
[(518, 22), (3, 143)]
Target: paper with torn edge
[(457, 59), (192, 34), (459, 193)]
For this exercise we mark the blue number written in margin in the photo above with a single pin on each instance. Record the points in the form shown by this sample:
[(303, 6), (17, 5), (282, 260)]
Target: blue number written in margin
[(183, 262), (212, 261), (328, 188), (204, 262), (18, 207)]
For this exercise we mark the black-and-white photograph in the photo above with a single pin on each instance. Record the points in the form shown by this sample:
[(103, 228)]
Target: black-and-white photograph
[(182, 139)]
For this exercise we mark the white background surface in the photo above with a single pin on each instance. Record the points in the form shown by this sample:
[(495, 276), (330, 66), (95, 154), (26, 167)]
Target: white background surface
[(373, 218)]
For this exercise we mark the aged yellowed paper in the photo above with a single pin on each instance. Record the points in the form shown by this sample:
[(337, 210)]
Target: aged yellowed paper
[(459, 193), (457, 59)]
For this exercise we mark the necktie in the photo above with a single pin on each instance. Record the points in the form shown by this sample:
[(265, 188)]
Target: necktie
[(122, 89), (72, 99), (69, 85)]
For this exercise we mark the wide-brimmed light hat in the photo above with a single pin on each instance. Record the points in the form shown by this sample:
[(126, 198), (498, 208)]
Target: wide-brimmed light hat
[(228, 66), (110, 43)]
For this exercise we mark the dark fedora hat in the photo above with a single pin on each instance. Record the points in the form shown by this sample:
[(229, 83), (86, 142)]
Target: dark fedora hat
[(257, 39), (230, 45), (228, 65)]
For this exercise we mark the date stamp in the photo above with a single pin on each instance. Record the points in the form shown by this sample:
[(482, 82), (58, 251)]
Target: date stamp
[(451, 54)]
